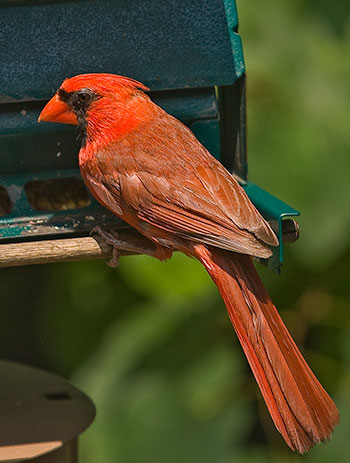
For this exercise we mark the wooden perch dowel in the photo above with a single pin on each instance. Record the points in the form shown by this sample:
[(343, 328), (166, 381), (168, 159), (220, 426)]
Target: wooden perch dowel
[(130, 242), (41, 252)]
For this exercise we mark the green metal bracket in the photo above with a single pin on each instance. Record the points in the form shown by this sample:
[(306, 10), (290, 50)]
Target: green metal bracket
[(276, 212)]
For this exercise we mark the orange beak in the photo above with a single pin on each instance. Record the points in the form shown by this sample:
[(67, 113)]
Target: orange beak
[(57, 111)]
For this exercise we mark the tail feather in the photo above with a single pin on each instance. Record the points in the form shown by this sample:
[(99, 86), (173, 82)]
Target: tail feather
[(301, 409)]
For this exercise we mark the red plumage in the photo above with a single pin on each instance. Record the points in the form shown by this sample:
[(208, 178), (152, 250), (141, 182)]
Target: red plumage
[(149, 169)]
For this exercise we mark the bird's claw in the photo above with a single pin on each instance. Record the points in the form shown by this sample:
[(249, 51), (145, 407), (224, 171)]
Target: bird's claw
[(110, 237), (131, 244)]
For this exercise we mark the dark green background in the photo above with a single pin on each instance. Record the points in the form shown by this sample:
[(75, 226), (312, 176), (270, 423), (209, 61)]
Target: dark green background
[(150, 342)]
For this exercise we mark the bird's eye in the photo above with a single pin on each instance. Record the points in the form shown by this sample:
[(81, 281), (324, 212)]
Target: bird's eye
[(84, 97)]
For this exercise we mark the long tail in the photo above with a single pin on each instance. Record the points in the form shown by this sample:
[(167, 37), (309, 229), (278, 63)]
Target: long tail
[(301, 409)]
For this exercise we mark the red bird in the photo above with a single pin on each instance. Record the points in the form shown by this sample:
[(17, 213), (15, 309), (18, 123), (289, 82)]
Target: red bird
[(149, 169)]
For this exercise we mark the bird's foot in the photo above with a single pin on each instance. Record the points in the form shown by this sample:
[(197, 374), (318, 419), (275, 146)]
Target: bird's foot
[(131, 242)]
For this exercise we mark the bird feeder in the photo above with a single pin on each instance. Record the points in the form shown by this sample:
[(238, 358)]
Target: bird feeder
[(190, 55), (41, 417)]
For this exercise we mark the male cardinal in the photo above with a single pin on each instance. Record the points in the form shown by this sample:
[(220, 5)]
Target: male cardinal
[(149, 169)]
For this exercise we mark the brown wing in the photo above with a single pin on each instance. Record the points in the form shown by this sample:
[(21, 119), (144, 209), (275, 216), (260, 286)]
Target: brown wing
[(172, 182)]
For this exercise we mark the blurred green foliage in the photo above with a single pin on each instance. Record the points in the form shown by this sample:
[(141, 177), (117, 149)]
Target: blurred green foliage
[(151, 342)]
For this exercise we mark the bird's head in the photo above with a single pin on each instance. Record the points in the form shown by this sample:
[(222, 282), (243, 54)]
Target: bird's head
[(96, 103)]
